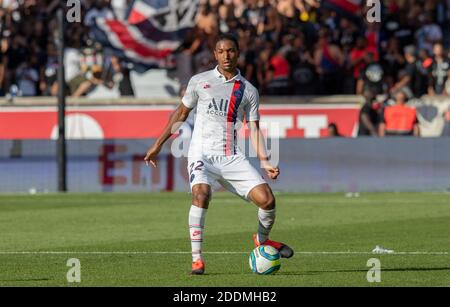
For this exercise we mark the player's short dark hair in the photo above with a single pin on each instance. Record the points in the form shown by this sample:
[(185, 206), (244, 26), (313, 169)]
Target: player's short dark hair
[(227, 37)]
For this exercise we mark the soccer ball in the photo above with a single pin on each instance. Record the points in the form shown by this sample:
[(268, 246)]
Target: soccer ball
[(264, 260)]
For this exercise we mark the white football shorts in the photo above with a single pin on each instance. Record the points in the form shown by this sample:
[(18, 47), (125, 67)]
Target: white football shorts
[(234, 173)]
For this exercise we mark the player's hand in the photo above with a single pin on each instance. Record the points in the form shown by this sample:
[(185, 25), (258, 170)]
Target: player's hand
[(150, 157), (272, 171)]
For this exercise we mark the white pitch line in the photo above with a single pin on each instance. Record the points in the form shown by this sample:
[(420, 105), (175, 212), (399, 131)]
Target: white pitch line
[(370, 253), (188, 252)]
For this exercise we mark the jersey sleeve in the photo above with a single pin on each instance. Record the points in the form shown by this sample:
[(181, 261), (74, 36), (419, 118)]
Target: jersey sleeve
[(190, 97), (252, 106)]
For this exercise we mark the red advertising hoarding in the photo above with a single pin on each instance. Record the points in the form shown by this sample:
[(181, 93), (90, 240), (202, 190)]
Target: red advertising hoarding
[(134, 122)]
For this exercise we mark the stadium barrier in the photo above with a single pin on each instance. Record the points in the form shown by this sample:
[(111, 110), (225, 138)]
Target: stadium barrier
[(321, 165), (109, 138), (129, 118), (128, 122)]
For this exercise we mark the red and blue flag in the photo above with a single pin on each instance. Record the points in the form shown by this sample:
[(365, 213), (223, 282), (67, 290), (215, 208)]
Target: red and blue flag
[(151, 32)]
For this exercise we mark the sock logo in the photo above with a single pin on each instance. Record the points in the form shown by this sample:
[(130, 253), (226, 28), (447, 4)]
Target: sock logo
[(196, 233)]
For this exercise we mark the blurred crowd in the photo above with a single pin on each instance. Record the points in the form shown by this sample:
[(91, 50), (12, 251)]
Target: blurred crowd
[(29, 57), (294, 47), (288, 47)]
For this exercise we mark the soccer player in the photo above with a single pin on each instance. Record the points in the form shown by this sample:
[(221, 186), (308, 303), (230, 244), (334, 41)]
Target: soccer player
[(223, 97)]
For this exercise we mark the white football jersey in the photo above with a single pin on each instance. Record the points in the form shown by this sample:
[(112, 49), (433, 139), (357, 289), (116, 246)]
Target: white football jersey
[(221, 106)]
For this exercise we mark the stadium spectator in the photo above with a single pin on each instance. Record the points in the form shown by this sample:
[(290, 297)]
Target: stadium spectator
[(400, 25), (333, 131), (329, 60), (88, 64), (392, 61), (286, 8), (118, 74), (429, 33), (97, 9), (303, 72), (278, 73), (248, 57), (447, 85), (372, 76), (424, 68), (263, 64), (439, 70), (27, 77), (360, 55), (16, 54), (200, 50), (72, 61), (207, 20), (399, 119), (373, 38), (269, 24), (369, 116), (86, 83), (3, 63), (48, 85), (416, 72), (224, 18)]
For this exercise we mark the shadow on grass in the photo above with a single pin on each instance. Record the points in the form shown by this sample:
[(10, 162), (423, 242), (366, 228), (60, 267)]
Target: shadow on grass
[(24, 279), (215, 274), (365, 271)]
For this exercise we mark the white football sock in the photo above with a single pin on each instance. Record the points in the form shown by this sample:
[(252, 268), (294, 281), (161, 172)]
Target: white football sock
[(266, 220), (196, 225)]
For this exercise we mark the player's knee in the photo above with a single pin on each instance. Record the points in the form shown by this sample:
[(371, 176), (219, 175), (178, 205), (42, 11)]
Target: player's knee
[(201, 199), (268, 202)]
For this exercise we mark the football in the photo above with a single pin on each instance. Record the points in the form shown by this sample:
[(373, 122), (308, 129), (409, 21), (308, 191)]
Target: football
[(264, 260)]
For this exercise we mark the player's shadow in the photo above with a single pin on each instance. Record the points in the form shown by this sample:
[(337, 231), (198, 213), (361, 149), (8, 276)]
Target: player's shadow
[(365, 271), (281, 273), (220, 273), (24, 279)]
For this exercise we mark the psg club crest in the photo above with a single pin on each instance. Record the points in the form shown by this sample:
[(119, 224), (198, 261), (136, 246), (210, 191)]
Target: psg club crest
[(237, 94)]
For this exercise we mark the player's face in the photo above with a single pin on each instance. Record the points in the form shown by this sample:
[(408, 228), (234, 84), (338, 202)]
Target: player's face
[(226, 55)]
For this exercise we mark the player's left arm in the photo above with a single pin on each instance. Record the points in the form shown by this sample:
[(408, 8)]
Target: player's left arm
[(259, 145), (256, 136)]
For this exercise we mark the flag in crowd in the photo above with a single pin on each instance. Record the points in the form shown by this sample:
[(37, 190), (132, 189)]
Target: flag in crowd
[(150, 33), (350, 6)]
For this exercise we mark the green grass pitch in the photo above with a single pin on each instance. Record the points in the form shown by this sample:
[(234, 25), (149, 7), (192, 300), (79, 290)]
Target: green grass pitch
[(142, 239)]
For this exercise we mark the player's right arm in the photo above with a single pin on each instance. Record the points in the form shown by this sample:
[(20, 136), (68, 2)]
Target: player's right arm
[(175, 121), (189, 101)]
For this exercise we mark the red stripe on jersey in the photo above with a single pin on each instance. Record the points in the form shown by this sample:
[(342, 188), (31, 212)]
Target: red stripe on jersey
[(230, 119)]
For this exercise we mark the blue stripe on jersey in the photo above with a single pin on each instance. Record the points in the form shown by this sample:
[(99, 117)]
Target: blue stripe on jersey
[(239, 94)]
